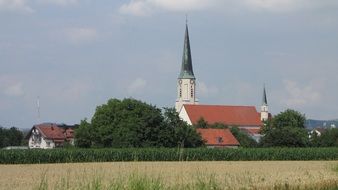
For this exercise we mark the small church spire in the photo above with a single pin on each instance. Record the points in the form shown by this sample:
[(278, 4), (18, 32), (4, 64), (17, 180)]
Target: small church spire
[(265, 101), (186, 69)]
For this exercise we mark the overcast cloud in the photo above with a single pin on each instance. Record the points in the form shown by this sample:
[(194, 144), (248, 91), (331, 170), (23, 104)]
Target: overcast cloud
[(76, 54)]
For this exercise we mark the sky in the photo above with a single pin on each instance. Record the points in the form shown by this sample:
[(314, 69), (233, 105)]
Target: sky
[(74, 55)]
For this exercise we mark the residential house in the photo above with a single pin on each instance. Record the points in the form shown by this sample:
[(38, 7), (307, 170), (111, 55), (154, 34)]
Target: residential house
[(50, 135), (218, 138)]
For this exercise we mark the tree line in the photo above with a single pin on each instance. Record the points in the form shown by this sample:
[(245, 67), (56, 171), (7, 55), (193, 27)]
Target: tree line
[(133, 123), (11, 137)]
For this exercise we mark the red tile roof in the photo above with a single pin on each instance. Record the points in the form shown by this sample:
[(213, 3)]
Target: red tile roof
[(218, 137), (54, 132), (228, 115)]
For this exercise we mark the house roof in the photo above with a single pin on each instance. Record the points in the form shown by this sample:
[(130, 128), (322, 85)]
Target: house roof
[(228, 115), (54, 131), (320, 129), (51, 131), (218, 137)]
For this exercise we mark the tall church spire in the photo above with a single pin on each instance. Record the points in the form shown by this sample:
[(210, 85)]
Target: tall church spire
[(186, 69), (186, 85)]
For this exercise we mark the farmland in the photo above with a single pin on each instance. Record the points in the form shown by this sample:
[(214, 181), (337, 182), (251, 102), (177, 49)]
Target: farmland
[(164, 154), (173, 175)]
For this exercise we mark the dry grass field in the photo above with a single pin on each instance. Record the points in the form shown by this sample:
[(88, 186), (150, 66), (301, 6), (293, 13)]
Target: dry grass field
[(172, 175)]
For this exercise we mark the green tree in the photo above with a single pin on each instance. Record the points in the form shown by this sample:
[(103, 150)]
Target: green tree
[(286, 129), (201, 123), (183, 135), (218, 126), (10, 137), (126, 123), (83, 136), (285, 137), (244, 139), (328, 138), (290, 118), (132, 123)]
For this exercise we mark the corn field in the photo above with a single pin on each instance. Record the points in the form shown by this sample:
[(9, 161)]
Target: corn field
[(164, 154)]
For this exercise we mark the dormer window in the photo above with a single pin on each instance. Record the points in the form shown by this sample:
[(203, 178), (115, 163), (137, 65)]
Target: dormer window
[(219, 139)]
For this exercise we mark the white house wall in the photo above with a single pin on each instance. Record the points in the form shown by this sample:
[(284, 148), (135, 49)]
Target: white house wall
[(44, 143)]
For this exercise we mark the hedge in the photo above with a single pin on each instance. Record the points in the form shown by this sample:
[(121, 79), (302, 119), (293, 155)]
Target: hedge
[(34, 156)]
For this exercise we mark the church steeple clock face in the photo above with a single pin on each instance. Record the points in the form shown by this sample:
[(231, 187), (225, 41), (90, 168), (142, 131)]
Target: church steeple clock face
[(192, 81)]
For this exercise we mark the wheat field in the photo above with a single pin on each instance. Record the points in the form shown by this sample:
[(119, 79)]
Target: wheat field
[(173, 175)]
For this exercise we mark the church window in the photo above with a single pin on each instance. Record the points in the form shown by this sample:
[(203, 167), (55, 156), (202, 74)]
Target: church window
[(186, 92), (192, 92), (180, 92)]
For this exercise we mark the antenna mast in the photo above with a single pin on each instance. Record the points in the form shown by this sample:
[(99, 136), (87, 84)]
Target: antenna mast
[(38, 108)]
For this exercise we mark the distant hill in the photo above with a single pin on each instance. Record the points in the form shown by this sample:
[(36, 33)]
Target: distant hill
[(312, 123)]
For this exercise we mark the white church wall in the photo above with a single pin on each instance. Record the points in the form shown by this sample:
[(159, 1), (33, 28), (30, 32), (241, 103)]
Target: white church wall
[(184, 116), (186, 90)]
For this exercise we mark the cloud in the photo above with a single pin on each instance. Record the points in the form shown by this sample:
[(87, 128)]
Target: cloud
[(301, 96), (285, 5), (75, 90), (78, 35), (137, 8), (205, 90), (137, 85), (9, 86), (14, 90), (15, 6), (58, 2), (146, 7), (275, 5)]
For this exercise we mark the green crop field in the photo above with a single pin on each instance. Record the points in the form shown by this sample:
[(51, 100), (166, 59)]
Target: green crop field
[(164, 154), (173, 175)]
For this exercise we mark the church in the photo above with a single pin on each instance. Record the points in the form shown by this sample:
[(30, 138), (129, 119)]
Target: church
[(246, 118)]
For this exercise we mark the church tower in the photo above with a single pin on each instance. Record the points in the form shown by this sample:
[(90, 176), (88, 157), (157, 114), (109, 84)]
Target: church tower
[(264, 107), (186, 81)]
